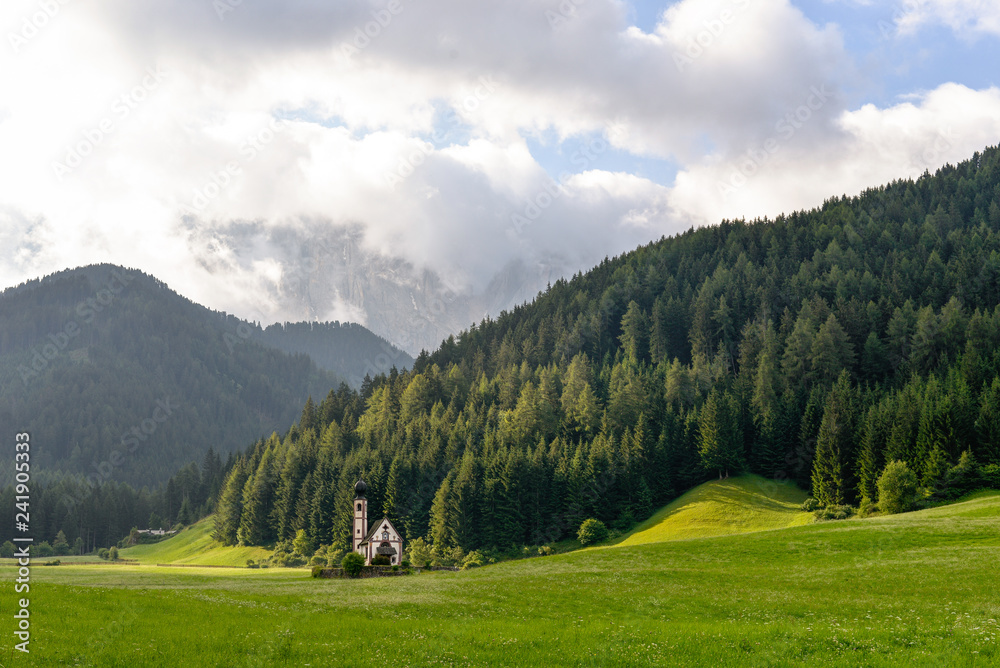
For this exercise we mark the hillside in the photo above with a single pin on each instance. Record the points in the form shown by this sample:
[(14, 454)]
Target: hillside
[(814, 348), (914, 589), (194, 546), (723, 507), (347, 349), (116, 375)]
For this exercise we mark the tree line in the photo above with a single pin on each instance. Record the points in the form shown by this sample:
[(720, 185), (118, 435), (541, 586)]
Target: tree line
[(82, 516), (820, 347)]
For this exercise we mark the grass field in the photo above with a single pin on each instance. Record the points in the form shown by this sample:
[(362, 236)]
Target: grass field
[(194, 546), (919, 590), (720, 508)]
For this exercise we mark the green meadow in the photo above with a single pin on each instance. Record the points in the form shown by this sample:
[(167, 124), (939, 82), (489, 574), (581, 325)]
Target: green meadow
[(919, 589), (194, 546)]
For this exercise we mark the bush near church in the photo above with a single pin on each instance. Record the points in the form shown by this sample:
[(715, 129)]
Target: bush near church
[(352, 564), (592, 531)]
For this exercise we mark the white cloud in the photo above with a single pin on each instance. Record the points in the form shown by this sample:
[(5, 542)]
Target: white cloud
[(872, 147), (965, 17), (418, 142)]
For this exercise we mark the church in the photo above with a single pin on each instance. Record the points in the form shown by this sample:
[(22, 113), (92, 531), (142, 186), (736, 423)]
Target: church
[(383, 539)]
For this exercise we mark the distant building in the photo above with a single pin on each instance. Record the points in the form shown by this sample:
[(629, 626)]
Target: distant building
[(383, 539)]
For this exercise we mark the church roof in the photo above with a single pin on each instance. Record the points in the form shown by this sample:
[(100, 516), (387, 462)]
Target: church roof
[(378, 525)]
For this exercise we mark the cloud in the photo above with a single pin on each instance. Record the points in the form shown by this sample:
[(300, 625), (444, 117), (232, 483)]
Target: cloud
[(965, 17), (208, 146), (871, 146)]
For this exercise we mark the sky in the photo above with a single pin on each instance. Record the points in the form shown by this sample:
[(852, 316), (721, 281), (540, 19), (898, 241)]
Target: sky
[(458, 137)]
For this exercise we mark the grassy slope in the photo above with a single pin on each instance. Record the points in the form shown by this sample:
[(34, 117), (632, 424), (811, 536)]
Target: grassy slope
[(917, 589), (724, 507), (194, 545), (717, 508)]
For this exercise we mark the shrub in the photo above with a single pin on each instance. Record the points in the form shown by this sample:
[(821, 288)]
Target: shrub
[(472, 560), (291, 561), (962, 478), (990, 475), (334, 557), (45, 550), (405, 563), (252, 564), (419, 552), (897, 488), (103, 553), (352, 564), (395, 568), (113, 554), (544, 550), (302, 546), (317, 571), (811, 505), (835, 513), (380, 560), (60, 545), (867, 508), (592, 531), (54, 562)]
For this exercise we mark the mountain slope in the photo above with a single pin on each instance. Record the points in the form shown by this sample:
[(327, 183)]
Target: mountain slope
[(347, 349), (118, 377), (815, 348), (722, 507)]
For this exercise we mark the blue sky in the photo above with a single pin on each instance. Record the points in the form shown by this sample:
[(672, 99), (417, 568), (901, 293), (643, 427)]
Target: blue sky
[(893, 64)]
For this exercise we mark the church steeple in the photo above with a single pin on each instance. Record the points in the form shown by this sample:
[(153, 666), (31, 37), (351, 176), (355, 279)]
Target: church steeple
[(360, 515)]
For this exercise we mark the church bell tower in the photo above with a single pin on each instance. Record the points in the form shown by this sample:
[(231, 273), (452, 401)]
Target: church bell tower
[(360, 531)]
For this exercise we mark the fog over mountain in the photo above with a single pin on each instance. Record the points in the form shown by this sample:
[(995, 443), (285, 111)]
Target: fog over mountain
[(325, 274)]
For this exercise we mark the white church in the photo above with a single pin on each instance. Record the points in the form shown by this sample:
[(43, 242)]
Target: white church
[(383, 539)]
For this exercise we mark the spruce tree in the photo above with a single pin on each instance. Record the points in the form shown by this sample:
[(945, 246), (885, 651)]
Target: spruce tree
[(832, 477)]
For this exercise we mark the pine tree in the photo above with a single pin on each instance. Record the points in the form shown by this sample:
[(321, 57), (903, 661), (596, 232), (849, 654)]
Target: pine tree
[(988, 424), (832, 351), (832, 477), (635, 333), (720, 443), (230, 506), (258, 495), (875, 434)]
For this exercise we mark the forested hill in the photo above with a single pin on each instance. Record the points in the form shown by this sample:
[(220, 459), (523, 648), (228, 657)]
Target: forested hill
[(816, 347), (116, 375), (347, 349)]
